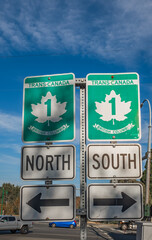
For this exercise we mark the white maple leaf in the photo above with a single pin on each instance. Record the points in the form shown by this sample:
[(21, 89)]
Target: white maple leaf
[(41, 110), (121, 108)]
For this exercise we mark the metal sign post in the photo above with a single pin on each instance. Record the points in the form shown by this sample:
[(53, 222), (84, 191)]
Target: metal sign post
[(83, 216)]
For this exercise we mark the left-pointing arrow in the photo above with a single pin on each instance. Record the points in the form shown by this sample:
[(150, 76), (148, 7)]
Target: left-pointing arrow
[(36, 202), (126, 201)]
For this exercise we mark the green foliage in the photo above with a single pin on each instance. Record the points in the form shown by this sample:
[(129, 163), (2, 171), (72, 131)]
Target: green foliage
[(11, 198)]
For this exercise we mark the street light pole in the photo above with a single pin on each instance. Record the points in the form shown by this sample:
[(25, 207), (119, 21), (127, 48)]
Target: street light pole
[(148, 154)]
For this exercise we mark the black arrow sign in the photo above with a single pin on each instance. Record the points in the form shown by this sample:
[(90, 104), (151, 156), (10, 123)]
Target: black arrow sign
[(126, 202), (36, 203)]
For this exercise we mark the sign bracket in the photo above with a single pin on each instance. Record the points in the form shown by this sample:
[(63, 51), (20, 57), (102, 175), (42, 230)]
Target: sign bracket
[(48, 183), (81, 211), (48, 144), (80, 82)]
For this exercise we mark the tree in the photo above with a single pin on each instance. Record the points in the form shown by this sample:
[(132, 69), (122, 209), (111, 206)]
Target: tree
[(10, 198)]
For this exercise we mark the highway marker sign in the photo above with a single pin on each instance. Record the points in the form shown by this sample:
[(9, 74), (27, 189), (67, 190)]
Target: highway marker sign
[(42, 203), (111, 161), (49, 108), (115, 201), (48, 162), (113, 107)]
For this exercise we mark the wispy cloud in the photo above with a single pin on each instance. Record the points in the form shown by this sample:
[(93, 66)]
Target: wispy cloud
[(115, 30), (10, 123), (144, 132), (13, 146), (7, 159)]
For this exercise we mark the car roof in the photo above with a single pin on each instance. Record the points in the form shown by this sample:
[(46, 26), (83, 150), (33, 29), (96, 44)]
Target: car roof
[(62, 221)]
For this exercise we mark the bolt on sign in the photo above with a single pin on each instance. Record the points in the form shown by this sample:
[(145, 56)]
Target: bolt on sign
[(113, 107), (49, 108)]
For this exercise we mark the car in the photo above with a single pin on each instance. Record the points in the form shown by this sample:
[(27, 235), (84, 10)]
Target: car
[(127, 225), (70, 224), (12, 223)]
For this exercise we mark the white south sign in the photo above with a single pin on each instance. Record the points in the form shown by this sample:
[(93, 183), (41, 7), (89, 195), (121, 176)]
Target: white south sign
[(48, 162), (111, 161)]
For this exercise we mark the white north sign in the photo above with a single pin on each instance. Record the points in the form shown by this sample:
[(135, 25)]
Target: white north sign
[(42, 203), (110, 161), (115, 201), (49, 162)]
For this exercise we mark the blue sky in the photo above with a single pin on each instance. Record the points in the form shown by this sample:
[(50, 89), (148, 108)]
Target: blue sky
[(62, 36)]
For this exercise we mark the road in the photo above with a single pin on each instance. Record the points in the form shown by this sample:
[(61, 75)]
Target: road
[(111, 232), (41, 231)]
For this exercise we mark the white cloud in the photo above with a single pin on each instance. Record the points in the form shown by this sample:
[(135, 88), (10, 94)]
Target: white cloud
[(115, 30), (10, 123), (7, 159), (144, 132), (13, 146)]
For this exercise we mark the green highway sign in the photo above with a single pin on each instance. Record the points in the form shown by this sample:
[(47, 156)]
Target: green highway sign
[(113, 107), (49, 108)]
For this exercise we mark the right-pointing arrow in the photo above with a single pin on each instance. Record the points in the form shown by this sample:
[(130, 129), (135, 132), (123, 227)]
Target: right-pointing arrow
[(126, 201)]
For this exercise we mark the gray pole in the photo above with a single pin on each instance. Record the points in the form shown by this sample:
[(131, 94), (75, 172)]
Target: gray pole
[(83, 217), (148, 154)]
